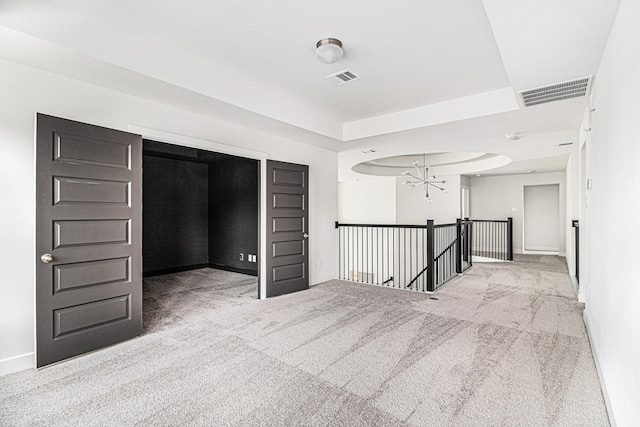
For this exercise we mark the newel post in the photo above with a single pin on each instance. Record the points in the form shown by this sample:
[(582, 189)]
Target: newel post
[(459, 246), (510, 239), (431, 282)]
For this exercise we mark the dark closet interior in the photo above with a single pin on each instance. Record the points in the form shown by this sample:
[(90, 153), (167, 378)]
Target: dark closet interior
[(200, 209)]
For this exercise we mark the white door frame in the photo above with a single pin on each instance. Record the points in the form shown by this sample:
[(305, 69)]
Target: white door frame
[(188, 141)]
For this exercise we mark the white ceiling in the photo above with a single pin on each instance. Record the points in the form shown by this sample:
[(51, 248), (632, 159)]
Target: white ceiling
[(437, 76)]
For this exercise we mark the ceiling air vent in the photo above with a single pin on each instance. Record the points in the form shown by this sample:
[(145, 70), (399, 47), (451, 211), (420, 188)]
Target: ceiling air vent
[(343, 77), (556, 92)]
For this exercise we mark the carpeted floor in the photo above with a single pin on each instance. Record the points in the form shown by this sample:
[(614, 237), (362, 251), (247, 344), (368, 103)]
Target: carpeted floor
[(504, 345)]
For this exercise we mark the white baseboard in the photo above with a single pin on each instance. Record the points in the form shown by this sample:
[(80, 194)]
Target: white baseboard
[(476, 258), (553, 249), (323, 278), (17, 363), (603, 381), (539, 252)]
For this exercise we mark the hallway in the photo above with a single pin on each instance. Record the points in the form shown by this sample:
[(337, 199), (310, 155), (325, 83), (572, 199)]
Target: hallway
[(503, 345)]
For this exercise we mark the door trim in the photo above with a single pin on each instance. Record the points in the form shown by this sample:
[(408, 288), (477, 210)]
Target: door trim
[(188, 141), (262, 238)]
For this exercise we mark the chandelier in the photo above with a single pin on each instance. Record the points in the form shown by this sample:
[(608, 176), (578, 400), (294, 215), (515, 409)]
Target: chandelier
[(419, 178)]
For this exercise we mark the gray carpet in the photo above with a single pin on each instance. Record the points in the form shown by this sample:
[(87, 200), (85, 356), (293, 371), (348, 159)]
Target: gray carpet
[(504, 345)]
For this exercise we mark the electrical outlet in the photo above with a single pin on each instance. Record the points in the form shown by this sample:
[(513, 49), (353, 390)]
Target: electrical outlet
[(241, 257)]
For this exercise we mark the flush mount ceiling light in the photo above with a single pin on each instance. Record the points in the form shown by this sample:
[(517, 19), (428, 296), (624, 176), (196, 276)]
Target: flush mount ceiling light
[(329, 50), (513, 136)]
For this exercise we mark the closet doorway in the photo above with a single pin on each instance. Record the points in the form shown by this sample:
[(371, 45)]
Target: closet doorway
[(200, 230)]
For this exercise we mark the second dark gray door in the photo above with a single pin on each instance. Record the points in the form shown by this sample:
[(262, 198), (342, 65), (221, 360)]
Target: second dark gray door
[(287, 257), (88, 238)]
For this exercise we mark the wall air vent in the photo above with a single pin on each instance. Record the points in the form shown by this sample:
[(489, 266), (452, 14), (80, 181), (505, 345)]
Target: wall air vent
[(343, 77), (556, 92)]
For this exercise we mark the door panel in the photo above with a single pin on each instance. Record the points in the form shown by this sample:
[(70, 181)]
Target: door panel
[(281, 225), (91, 151), (288, 201), (89, 219), (91, 315), (74, 190), (88, 232), (287, 220), (71, 276), (288, 248), (287, 272)]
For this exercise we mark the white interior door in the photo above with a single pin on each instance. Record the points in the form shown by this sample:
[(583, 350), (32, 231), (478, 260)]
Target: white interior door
[(541, 218), (464, 203)]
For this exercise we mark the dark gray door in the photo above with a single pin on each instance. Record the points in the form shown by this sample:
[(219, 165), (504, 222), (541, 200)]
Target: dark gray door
[(88, 238), (287, 227)]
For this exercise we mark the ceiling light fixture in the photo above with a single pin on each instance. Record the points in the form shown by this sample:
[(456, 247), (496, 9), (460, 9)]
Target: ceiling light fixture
[(329, 50), (513, 136), (425, 179)]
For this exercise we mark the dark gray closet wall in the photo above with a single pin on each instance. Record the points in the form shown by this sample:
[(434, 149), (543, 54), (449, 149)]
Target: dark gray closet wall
[(175, 213), (233, 213), (199, 208)]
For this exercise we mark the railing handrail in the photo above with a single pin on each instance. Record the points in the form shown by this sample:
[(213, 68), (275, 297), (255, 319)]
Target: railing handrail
[(445, 250), (339, 224), (415, 279), (452, 224), (434, 260)]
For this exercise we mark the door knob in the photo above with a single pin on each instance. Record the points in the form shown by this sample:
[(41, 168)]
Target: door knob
[(305, 235), (46, 258)]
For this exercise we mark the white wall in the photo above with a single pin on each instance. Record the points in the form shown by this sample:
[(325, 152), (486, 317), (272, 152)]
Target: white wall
[(572, 179), (389, 201), (412, 208), (585, 137), (368, 201), (26, 91), (613, 250), (494, 197)]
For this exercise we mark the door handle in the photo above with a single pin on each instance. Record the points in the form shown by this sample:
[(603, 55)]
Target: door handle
[(46, 258), (305, 235)]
